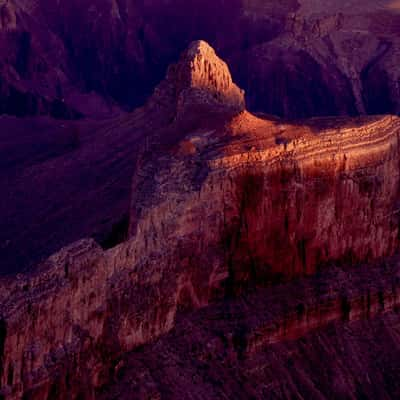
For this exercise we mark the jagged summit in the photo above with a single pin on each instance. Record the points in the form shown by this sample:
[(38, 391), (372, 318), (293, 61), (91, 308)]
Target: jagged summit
[(205, 79), (199, 82), (202, 68), (200, 47)]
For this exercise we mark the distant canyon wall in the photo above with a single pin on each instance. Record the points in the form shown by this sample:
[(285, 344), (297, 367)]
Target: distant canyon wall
[(75, 59)]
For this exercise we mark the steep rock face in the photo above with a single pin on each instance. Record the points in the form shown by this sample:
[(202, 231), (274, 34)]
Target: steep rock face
[(31, 364), (199, 83), (32, 71), (329, 337), (36, 76), (276, 200), (218, 204), (325, 61), (203, 79), (44, 162)]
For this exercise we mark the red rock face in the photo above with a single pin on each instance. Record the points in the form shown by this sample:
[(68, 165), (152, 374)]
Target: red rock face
[(273, 211), (222, 201)]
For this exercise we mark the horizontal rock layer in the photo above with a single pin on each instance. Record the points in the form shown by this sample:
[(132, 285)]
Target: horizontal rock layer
[(222, 202), (89, 329), (278, 200), (212, 226), (293, 340)]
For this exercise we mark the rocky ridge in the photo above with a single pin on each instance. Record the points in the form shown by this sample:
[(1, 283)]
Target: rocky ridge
[(220, 206), (44, 162)]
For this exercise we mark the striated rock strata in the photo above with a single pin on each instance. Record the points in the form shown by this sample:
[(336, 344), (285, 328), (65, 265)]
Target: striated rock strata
[(330, 337), (219, 205), (276, 200)]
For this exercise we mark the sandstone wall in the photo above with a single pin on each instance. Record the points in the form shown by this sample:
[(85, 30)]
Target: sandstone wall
[(278, 211), (221, 204)]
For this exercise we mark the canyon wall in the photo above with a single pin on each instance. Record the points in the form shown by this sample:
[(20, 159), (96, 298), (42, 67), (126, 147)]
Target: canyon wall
[(273, 205), (328, 337), (294, 59), (222, 201)]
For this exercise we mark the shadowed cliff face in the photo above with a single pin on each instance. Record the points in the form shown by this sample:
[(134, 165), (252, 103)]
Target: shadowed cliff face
[(224, 203), (83, 57), (248, 349)]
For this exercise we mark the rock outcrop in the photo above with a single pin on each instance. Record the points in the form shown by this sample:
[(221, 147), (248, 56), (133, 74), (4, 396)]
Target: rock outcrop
[(200, 83), (220, 205), (203, 79), (277, 200)]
